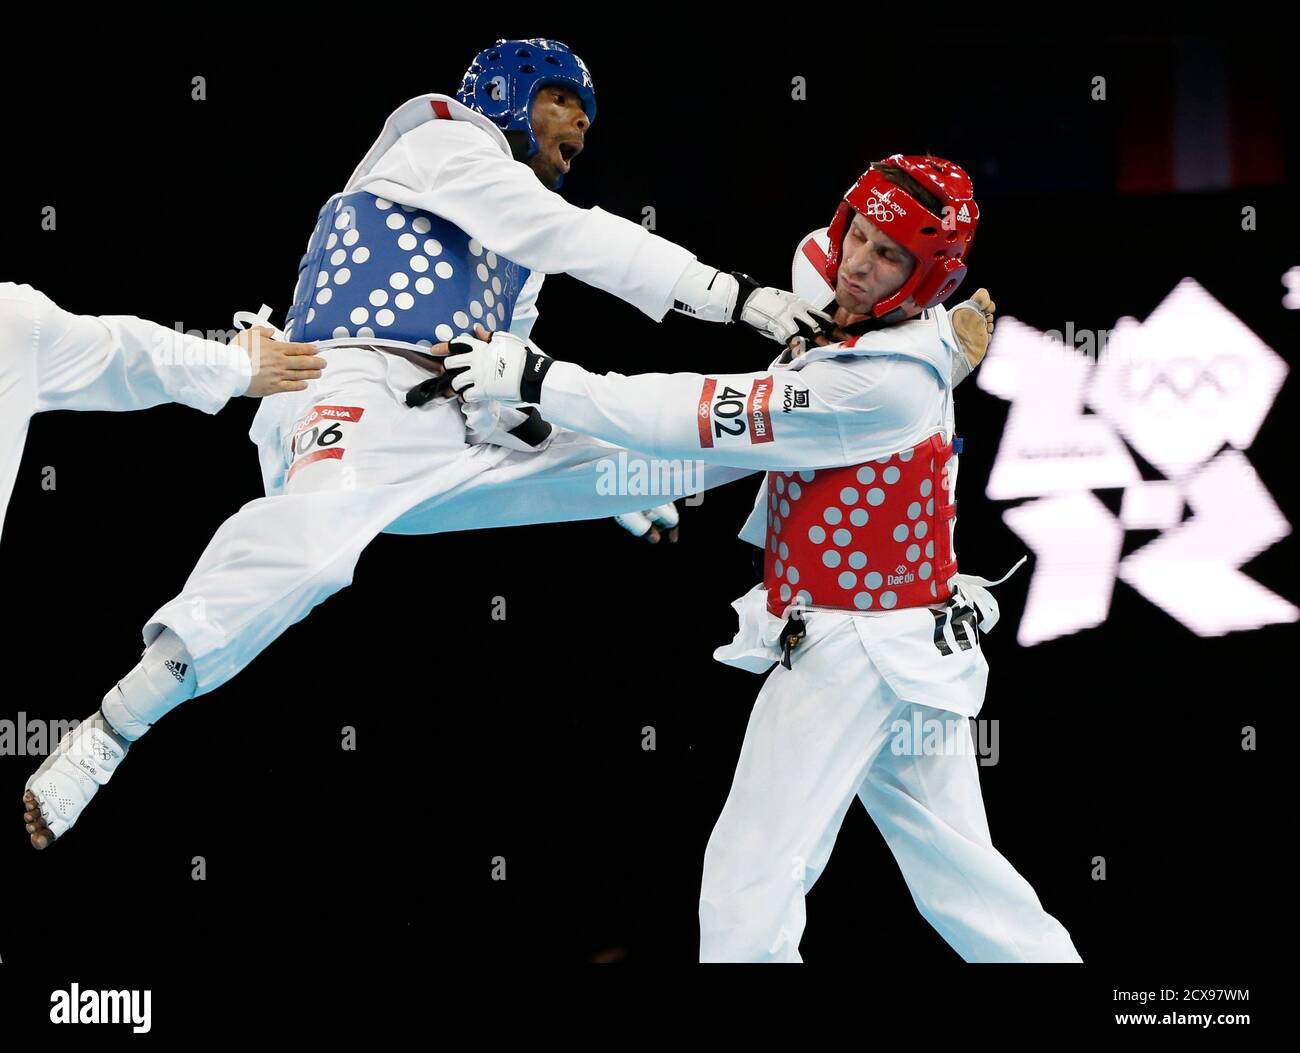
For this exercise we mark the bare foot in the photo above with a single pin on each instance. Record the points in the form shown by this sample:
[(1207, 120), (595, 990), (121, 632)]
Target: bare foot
[(36, 826)]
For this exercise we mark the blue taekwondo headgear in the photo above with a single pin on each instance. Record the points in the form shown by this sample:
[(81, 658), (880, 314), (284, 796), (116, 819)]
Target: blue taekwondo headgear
[(502, 81)]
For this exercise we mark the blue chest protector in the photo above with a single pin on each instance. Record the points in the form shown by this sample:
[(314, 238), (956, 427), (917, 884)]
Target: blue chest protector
[(395, 274)]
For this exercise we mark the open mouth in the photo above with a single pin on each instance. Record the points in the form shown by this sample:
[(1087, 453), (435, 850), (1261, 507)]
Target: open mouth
[(568, 151)]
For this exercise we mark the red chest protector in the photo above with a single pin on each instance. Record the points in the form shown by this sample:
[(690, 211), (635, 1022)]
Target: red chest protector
[(873, 536)]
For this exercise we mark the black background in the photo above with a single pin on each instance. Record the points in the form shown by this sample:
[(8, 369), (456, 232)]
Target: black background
[(481, 738)]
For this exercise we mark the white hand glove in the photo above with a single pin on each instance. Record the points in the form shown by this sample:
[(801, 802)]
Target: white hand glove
[(781, 315), (639, 524), (716, 296), (483, 370)]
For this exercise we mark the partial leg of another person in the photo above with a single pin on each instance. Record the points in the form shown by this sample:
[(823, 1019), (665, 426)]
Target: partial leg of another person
[(18, 339), (53, 359)]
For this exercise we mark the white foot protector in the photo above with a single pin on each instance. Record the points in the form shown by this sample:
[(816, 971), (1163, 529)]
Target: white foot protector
[(84, 761), (639, 523)]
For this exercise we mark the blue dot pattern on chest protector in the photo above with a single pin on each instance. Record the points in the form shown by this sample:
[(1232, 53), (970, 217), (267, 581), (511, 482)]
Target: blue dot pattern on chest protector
[(376, 270)]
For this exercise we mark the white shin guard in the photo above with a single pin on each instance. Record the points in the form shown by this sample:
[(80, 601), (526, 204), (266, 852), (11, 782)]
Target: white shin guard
[(163, 679)]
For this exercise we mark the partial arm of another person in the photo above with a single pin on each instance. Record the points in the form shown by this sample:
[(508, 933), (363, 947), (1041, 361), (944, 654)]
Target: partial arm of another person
[(120, 362)]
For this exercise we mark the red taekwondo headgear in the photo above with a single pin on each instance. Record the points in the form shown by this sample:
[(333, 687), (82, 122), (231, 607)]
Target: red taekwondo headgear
[(940, 243)]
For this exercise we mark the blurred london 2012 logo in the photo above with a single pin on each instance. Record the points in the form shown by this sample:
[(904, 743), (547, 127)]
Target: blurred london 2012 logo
[(1187, 390)]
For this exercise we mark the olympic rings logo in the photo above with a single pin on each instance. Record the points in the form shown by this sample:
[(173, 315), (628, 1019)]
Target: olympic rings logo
[(1182, 376), (878, 209)]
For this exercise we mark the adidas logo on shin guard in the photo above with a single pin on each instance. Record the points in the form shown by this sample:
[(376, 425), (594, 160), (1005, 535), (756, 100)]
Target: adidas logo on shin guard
[(177, 669)]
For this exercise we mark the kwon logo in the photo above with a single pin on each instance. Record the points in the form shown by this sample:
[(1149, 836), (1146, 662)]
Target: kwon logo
[(793, 399), (76, 1006), (1188, 390)]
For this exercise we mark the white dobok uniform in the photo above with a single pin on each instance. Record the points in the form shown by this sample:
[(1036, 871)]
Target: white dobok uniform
[(51, 359), (347, 459), (834, 725)]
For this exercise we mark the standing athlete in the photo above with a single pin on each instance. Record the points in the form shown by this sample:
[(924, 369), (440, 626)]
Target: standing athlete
[(861, 604)]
